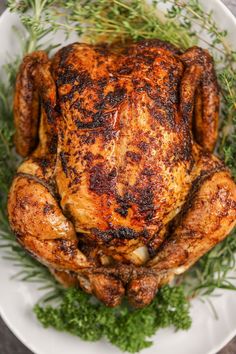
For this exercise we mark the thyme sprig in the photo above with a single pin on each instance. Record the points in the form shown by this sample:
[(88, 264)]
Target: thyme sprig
[(190, 13), (227, 146), (120, 20), (37, 18)]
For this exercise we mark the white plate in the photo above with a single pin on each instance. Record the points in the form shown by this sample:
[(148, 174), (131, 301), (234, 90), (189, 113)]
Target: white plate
[(206, 336)]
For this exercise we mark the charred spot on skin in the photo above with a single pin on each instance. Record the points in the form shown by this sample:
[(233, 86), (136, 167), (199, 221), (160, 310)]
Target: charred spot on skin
[(43, 163), (144, 88), (69, 141), (124, 71), (68, 96), (133, 156), (66, 248), (163, 111), (148, 172), (122, 211), (184, 153), (151, 250), (113, 173), (125, 203), (100, 105), (112, 99), (211, 79), (109, 133), (64, 53), (187, 112), (47, 208), (147, 58), (57, 108), (52, 145), (74, 182), (143, 146), (115, 97), (187, 153), (75, 177), (49, 109), (66, 76), (88, 138), (100, 62), (157, 43), (123, 233), (146, 202), (113, 79), (102, 82), (84, 81), (149, 215), (23, 203), (98, 120), (89, 156), (64, 162), (102, 49), (100, 181), (80, 106)]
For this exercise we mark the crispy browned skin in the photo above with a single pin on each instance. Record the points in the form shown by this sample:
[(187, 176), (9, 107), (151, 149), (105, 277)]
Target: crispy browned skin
[(118, 194)]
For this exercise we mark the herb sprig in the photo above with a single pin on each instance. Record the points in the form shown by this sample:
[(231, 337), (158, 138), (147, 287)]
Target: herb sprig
[(117, 20), (124, 327), (120, 20)]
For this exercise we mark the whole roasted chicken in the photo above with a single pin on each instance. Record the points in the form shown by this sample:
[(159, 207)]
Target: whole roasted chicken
[(119, 191)]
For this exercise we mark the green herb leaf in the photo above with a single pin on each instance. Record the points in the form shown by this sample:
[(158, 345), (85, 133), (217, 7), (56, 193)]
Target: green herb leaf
[(126, 328)]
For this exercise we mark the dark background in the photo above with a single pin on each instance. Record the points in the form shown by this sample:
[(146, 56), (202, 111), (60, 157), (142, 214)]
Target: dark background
[(9, 344)]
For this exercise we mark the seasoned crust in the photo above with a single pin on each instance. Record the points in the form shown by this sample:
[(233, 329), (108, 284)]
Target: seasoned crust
[(123, 182)]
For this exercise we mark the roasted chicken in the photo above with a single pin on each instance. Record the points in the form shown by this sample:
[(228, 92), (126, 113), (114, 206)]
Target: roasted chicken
[(119, 191)]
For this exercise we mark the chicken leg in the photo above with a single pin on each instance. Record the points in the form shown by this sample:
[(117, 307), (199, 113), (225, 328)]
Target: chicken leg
[(54, 243), (207, 218)]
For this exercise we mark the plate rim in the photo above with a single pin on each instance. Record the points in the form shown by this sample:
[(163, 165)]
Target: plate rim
[(14, 330)]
